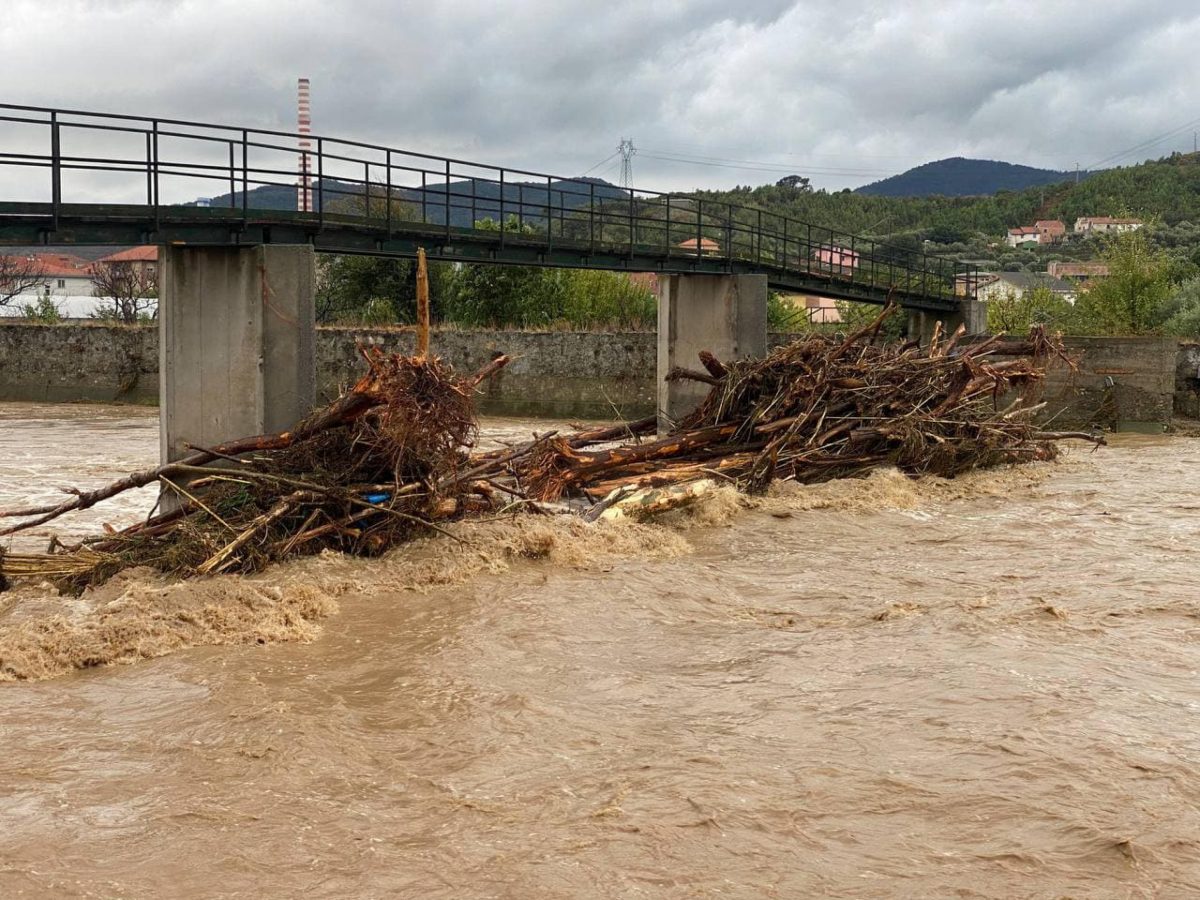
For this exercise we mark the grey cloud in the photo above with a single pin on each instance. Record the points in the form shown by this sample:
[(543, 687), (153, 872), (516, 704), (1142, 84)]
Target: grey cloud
[(853, 87)]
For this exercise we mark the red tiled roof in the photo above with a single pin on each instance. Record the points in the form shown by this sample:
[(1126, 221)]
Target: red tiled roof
[(706, 245), (61, 265), (147, 253)]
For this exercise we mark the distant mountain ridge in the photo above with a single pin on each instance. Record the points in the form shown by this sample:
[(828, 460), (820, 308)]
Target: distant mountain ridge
[(470, 201), (961, 177)]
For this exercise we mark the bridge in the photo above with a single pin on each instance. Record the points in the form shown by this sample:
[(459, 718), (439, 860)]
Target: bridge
[(237, 275)]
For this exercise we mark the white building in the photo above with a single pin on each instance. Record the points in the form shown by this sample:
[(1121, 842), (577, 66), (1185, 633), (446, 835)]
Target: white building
[(1000, 285), (1106, 225), (65, 279), (1026, 234)]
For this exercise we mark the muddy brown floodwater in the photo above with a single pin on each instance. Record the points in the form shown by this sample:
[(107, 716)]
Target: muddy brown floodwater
[(984, 688)]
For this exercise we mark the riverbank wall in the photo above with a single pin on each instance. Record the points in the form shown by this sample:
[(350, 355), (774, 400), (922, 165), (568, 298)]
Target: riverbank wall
[(1121, 382)]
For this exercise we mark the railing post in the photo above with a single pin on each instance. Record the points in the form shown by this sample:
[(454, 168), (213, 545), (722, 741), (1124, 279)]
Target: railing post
[(520, 208), (699, 225), (729, 236), (501, 209), (631, 224), (549, 214), (758, 256), (591, 218), (784, 263), (448, 203), (387, 198), (149, 170), (55, 168), (157, 195), (667, 229), (320, 183), (366, 189), (245, 174), (232, 182)]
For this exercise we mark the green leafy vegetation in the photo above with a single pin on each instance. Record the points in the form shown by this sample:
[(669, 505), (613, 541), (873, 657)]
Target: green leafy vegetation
[(380, 291), (44, 312)]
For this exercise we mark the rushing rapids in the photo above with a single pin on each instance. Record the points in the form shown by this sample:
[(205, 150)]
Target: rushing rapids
[(868, 688)]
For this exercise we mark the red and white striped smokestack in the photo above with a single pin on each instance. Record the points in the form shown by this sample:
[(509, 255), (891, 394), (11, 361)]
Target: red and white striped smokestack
[(304, 127)]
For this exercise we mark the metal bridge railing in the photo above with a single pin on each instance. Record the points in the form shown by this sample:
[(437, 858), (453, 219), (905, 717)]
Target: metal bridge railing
[(162, 165)]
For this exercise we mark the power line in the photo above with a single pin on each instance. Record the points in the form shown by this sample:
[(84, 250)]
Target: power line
[(763, 167), (701, 159), (693, 151), (599, 164), (1145, 145)]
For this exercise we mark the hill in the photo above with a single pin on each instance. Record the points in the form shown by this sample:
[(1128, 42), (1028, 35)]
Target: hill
[(534, 198), (1167, 190), (959, 177)]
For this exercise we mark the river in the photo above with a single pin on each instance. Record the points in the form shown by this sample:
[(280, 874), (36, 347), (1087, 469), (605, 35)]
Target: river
[(881, 688)]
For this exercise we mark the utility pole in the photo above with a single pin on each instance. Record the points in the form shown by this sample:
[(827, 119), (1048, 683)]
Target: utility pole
[(627, 150), (1077, 173)]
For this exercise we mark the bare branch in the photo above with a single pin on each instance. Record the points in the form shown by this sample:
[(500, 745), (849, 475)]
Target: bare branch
[(17, 275), (131, 289)]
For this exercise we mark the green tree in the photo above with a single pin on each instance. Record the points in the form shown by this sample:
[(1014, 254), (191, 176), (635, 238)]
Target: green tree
[(1181, 313), (1131, 299), (372, 290), (1014, 313)]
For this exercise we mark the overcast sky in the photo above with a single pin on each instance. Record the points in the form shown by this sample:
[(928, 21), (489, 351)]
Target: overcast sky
[(845, 92)]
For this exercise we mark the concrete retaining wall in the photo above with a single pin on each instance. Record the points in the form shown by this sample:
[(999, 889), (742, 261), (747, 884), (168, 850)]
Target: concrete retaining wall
[(552, 373), (55, 363), (1122, 383), (563, 373), (1187, 379)]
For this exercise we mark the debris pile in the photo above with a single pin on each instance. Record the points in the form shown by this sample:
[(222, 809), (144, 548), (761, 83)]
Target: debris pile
[(391, 458), (829, 407)]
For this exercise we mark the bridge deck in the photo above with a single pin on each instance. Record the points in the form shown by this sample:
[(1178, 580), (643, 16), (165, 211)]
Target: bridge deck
[(24, 224), (377, 200)]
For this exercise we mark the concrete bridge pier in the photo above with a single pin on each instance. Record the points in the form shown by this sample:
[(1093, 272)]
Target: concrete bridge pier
[(237, 329), (971, 312), (725, 314)]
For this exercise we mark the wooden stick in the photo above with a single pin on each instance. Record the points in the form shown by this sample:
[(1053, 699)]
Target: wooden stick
[(422, 305), (274, 514)]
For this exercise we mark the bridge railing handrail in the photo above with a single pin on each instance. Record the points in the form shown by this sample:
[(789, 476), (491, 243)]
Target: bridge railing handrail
[(771, 236)]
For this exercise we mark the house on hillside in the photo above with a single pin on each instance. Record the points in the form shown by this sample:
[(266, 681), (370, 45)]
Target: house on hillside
[(1043, 231), (708, 247), (1050, 231), (1000, 285), (1077, 271), (1089, 225), (832, 258), (1026, 234)]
